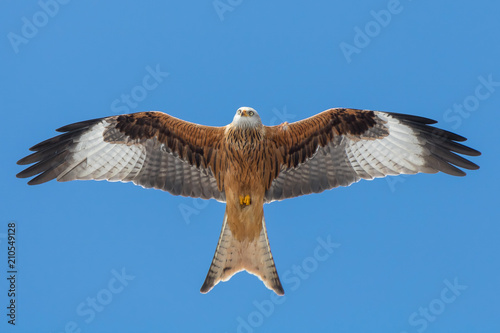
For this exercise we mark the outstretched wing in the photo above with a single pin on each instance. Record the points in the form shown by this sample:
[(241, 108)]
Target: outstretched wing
[(151, 149), (341, 146)]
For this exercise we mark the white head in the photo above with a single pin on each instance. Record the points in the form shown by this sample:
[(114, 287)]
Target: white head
[(246, 117)]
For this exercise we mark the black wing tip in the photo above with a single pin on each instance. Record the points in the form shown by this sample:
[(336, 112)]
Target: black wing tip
[(474, 167), (21, 176), (36, 147), (78, 125), (26, 173), (41, 177), (459, 172), (35, 181), (23, 161), (38, 180), (453, 136), (474, 152), (412, 118)]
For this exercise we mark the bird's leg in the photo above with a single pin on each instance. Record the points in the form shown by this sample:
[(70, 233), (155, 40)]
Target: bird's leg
[(245, 200)]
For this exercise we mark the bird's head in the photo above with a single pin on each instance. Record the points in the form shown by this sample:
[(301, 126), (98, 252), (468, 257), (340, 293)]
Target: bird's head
[(246, 117)]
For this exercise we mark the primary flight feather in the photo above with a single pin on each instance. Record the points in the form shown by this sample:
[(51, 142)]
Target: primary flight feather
[(247, 164)]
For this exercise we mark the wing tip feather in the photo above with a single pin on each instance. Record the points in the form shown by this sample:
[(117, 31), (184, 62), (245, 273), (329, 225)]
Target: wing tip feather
[(79, 125), (412, 118)]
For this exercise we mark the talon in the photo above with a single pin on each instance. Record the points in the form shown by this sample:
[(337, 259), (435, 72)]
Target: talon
[(245, 200)]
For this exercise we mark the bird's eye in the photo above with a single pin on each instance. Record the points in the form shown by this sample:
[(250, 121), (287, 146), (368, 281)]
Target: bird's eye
[(250, 113), (239, 112)]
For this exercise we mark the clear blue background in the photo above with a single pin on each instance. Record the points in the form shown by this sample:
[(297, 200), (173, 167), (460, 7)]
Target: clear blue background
[(400, 238)]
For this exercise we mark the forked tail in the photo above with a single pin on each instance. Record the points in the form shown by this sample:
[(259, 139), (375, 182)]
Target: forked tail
[(232, 256)]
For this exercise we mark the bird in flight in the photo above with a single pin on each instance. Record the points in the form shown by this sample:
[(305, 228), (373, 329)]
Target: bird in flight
[(246, 164)]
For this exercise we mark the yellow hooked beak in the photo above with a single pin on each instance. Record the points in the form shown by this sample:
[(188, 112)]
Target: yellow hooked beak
[(244, 113)]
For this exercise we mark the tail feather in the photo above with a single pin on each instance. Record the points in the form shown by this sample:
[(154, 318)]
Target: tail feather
[(232, 256), (219, 266)]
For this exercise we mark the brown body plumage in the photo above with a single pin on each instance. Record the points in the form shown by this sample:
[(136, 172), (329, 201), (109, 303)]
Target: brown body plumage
[(244, 174)]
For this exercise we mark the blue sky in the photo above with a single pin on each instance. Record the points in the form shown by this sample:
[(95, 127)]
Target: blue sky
[(408, 254)]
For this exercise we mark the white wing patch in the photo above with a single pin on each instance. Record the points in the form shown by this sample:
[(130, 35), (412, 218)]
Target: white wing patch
[(399, 152), (93, 158)]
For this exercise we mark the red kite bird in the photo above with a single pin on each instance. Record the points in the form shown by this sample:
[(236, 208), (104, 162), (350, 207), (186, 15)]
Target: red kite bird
[(247, 164)]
